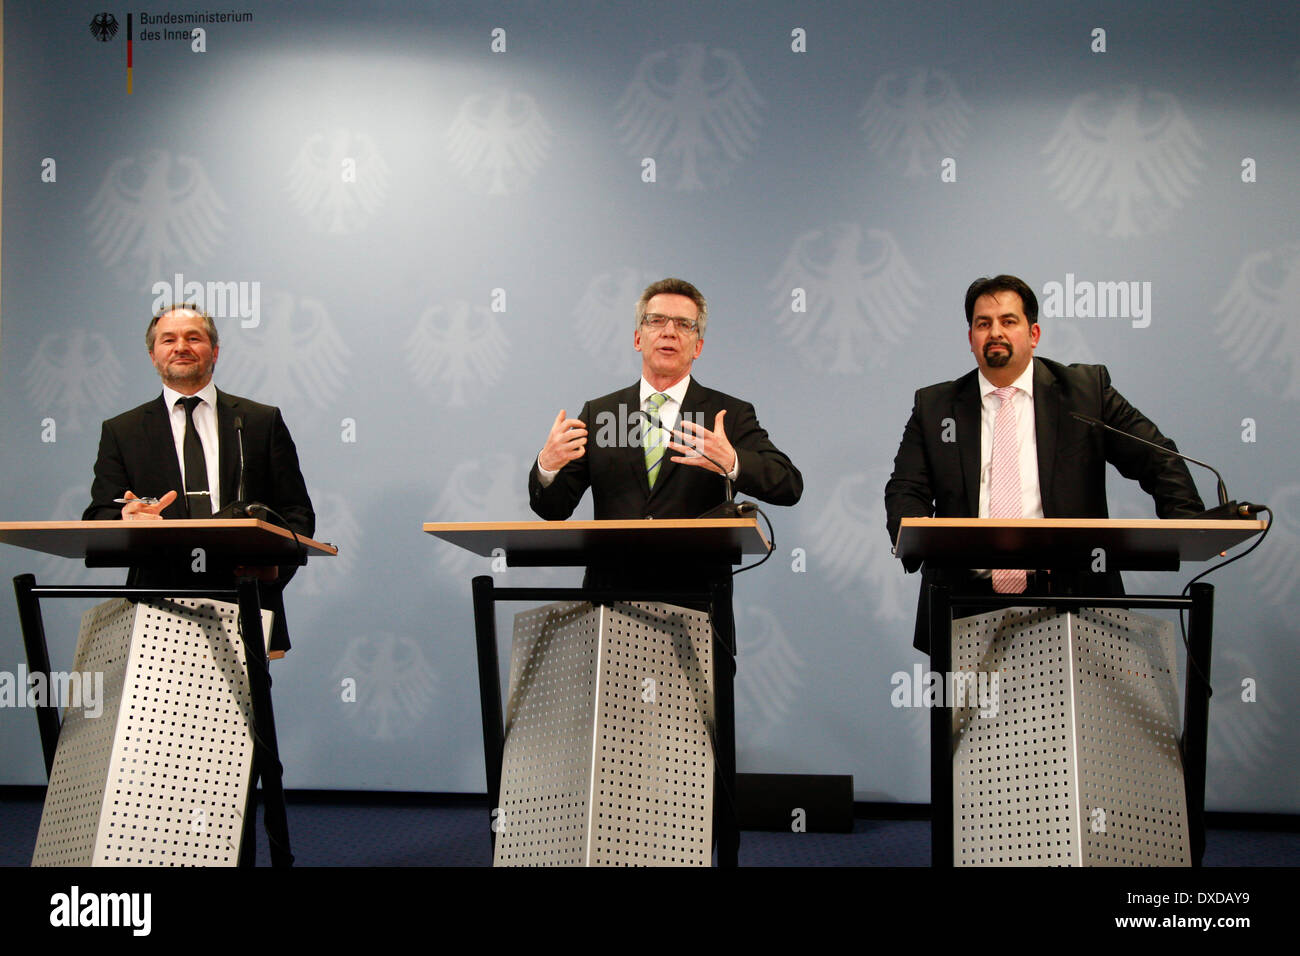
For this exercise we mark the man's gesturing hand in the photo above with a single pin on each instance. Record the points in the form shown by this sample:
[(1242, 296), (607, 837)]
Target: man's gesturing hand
[(566, 442), (694, 440)]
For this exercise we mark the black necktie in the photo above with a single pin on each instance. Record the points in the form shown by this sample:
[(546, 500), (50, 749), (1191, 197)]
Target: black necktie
[(197, 498)]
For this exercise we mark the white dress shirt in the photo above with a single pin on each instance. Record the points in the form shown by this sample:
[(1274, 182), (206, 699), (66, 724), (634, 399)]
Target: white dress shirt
[(1031, 499), (205, 422)]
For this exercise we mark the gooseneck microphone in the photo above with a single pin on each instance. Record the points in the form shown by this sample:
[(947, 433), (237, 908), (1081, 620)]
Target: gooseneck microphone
[(240, 508), (239, 434), (729, 508), (1225, 509)]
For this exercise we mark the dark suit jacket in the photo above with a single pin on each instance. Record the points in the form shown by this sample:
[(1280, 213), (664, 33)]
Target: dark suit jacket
[(614, 469), (941, 478), (137, 452)]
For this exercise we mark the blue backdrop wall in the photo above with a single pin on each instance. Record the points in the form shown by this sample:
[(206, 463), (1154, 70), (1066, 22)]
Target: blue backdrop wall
[(423, 226)]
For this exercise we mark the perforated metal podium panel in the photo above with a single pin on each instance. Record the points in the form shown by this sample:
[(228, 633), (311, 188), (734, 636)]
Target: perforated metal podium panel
[(608, 754), (1065, 751), (160, 776)]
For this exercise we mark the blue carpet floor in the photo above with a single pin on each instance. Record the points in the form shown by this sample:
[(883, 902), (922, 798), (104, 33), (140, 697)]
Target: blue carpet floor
[(379, 835)]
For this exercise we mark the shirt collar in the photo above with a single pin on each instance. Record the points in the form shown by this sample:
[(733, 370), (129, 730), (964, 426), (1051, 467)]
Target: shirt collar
[(208, 393), (676, 393), (1025, 382)]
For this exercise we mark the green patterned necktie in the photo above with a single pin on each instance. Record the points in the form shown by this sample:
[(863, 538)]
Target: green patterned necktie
[(655, 437)]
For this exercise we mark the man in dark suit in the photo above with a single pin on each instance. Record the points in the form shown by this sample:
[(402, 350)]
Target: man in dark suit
[(665, 448), (700, 436), (1055, 466), (162, 448)]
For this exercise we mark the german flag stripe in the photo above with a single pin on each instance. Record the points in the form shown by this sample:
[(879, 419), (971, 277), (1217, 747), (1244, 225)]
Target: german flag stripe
[(129, 54)]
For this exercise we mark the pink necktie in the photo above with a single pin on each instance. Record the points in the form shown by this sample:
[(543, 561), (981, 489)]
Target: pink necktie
[(1004, 482)]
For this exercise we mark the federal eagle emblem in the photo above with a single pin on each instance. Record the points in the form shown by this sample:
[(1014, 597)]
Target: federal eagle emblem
[(454, 348), (72, 373), (769, 671), (152, 210), (103, 27), (338, 181), (1124, 161), (395, 684), (853, 558), (477, 488), (916, 121), (295, 354), (498, 141), (1258, 326), (694, 111), (859, 295)]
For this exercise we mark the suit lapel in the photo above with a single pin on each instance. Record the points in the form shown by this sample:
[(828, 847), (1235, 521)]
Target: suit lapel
[(629, 454), (695, 405), (1047, 420), (966, 413), (227, 446), (161, 445)]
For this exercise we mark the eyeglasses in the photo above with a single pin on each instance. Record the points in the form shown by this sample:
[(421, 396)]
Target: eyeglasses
[(658, 322)]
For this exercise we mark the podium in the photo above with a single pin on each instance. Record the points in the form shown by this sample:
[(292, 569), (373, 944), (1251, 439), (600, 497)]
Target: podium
[(1102, 635), (560, 648), (218, 542)]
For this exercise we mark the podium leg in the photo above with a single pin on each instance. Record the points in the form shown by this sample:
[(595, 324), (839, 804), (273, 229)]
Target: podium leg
[(248, 838), (266, 751), (726, 823), (1196, 713), (941, 837), (489, 690), (38, 662)]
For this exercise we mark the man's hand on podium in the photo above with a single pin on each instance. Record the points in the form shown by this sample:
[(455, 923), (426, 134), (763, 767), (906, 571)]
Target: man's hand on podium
[(137, 510)]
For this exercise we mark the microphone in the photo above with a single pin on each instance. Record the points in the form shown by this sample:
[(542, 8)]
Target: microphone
[(239, 508), (1225, 509), (729, 508), (239, 434)]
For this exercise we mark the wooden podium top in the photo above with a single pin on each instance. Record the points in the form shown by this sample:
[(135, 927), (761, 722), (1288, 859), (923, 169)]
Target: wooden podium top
[(1040, 543), (116, 543), (577, 542)]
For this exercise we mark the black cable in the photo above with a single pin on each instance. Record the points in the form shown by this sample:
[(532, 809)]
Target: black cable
[(284, 523), (1182, 622), (771, 537)]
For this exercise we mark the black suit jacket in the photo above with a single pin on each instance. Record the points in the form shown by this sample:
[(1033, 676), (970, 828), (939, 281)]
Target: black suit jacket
[(937, 469), (137, 452), (614, 469)]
